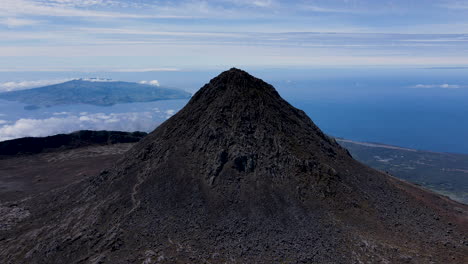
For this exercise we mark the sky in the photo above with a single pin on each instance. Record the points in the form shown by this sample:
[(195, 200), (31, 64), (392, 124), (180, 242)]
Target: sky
[(153, 35)]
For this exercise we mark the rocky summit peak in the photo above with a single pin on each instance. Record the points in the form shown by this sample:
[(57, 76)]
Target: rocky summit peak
[(238, 111), (237, 85), (234, 75)]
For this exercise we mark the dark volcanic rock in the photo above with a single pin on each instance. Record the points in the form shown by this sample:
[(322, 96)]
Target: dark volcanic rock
[(238, 176), (31, 145), (24, 176)]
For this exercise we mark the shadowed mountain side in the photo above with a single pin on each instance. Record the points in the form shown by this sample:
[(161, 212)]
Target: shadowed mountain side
[(30, 145), (238, 176)]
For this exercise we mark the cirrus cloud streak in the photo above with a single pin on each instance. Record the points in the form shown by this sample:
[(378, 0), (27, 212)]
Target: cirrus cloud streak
[(441, 86)]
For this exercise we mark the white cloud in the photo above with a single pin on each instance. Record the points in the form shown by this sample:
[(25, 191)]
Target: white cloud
[(436, 38), (65, 9), (97, 80), (458, 5), (102, 69), (442, 86), (318, 9), (13, 22), (259, 3), (153, 82), (450, 86), (3, 122), (185, 9), (149, 32), (263, 3), (170, 113), (54, 125), (80, 3), (21, 85)]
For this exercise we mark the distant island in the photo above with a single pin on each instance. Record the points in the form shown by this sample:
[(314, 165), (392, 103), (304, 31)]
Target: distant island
[(100, 93)]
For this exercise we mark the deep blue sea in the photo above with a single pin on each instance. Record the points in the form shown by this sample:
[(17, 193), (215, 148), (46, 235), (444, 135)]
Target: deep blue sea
[(415, 107), (411, 109)]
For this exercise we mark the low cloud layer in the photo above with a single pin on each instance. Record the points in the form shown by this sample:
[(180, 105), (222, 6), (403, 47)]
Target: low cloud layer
[(153, 82), (441, 86), (63, 123)]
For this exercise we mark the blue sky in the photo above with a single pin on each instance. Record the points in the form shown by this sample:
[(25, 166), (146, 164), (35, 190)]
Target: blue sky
[(121, 35)]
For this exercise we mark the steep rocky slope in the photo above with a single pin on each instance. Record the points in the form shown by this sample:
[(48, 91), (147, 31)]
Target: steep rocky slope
[(237, 176)]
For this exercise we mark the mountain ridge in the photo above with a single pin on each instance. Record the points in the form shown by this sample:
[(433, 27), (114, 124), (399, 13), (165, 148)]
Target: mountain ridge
[(59, 142)]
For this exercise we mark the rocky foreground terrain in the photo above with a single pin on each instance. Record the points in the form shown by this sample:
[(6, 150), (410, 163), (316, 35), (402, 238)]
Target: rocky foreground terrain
[(237, 176), (29, 175)]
